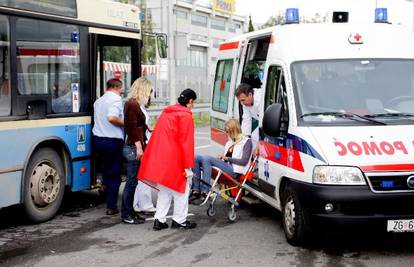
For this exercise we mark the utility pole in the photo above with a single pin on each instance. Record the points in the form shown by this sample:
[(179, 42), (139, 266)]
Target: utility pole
[(171, 50)]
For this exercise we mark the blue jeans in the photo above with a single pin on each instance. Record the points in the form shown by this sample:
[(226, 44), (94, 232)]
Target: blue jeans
[(205, 163), (132, 165), (110, 151)]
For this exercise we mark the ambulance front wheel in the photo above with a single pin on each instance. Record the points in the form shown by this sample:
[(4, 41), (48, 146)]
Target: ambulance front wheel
[(293, 219)]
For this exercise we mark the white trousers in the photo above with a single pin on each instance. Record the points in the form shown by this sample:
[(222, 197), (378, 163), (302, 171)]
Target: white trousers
[(165, 196), (143, 197)]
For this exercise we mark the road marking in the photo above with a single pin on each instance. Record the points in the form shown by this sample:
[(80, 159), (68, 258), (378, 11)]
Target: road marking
[(202, 138), (201, 147)]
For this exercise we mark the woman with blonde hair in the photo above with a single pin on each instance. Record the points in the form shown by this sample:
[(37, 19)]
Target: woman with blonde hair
[(136, 120), (234, 161)]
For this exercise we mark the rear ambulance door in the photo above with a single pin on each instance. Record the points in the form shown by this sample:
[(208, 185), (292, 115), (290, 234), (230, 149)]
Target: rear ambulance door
[(252, 66), (274, 152), (223, 93)]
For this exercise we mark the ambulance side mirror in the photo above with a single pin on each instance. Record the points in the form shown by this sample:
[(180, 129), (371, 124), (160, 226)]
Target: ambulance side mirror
[(272, 120)]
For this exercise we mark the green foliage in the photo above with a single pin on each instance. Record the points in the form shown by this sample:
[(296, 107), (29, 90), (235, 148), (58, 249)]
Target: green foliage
[(117, 54), (251, 28), (148, 53)]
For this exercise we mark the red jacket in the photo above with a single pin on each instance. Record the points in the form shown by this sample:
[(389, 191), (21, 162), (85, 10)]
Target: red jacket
[(170, 149)]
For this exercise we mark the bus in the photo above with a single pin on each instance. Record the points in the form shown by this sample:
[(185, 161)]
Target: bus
[(52, 68)]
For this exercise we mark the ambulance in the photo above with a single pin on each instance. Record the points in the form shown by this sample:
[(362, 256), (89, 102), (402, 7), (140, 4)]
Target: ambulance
[(336, 149)]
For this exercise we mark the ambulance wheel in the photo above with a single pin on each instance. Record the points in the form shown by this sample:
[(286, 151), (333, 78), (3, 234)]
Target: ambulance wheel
[(293, 219), (44, 185), (211, 212), (232, 215)]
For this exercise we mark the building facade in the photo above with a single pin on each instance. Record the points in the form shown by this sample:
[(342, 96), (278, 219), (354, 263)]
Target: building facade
[(195, 29)]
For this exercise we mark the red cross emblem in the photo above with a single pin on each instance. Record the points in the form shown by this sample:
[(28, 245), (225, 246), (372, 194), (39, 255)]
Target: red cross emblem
[(357, 37)]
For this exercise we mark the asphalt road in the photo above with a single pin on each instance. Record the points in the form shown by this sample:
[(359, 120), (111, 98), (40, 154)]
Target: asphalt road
[(81, 235)]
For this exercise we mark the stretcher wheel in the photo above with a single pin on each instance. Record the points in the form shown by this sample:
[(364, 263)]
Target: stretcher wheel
[(232, 215), (211, 212)]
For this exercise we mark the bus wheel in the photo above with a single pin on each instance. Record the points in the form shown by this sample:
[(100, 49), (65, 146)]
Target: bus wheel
[(293, 219), (44, 185)]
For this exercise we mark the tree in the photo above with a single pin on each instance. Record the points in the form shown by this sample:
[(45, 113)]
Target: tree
[(148, 52), (251, 28), (272, 21)]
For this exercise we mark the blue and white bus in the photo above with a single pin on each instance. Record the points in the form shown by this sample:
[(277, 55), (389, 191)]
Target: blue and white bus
[(52, 56)]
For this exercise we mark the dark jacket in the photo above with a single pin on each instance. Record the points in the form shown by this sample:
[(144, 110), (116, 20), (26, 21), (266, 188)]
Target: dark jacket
[(135, 126)]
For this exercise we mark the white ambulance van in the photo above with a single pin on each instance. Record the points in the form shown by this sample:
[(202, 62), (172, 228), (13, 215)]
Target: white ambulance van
[(336, 121)]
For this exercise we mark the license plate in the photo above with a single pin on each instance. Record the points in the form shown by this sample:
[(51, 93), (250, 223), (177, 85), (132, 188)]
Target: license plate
[(400, 225)]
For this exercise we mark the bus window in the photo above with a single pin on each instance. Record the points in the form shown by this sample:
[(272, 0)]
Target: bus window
[(5, 103), (48, 63), (222, 85)]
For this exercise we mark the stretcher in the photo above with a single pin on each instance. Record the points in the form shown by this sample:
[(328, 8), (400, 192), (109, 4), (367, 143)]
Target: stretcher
[(228, 188)]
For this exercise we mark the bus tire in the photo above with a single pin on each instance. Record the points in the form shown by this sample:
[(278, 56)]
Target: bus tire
[(44, 185), (293, 218)]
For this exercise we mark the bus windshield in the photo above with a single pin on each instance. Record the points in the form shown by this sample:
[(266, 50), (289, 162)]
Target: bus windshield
[(375, 88)]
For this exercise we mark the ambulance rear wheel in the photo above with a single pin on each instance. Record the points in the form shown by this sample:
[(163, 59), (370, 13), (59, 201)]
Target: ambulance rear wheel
[(293, 219), (44, 185)]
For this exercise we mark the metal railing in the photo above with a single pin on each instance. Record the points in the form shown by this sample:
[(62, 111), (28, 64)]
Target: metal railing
[(198, 108)]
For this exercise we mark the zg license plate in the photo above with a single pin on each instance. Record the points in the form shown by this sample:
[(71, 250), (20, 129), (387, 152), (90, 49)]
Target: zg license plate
[(400, 225)]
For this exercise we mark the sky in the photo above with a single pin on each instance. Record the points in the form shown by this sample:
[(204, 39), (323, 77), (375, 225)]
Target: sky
[(399, 11)]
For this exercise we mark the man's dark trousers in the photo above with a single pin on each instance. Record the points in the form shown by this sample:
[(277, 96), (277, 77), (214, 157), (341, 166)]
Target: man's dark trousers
[(110, 152)]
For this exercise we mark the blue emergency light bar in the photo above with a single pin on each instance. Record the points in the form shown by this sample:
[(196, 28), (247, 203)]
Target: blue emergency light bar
[(381, 15), (292, 15)]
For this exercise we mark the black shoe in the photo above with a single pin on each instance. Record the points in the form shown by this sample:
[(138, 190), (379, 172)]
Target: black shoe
[(184, 225), (199, 200), (138, 217), (193, 197), (133, 220), (159, 225)]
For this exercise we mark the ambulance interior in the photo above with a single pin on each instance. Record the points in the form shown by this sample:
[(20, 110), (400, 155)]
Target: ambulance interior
[(374, 88), (254, 63), (255, 60)]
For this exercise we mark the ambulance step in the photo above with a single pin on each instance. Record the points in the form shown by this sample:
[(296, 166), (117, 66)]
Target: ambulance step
[(262, 196), (251, 200)]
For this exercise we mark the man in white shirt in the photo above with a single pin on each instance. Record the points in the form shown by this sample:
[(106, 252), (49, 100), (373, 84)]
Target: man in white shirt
[(250, 98), (108, 140)]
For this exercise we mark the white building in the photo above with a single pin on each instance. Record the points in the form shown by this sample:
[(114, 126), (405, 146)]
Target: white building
[(195, 30)]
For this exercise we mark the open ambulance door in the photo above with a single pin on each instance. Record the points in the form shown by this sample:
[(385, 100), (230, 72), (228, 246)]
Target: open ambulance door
[(275, 157), (223, 93), (252, 66)]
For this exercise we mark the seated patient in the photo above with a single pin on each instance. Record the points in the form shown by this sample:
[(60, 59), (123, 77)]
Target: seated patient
[(235, 161)]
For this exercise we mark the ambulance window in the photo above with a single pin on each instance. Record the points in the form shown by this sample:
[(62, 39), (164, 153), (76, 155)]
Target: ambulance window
[(222, 82), (276, 93), (273, 78)]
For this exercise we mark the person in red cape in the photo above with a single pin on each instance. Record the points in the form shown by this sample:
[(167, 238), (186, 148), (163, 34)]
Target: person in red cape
[(168, 159)]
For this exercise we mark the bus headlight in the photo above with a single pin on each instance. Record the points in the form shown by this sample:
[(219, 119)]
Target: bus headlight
[(338, 175)]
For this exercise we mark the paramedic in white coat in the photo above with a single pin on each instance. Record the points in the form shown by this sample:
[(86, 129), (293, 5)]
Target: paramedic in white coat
[(250, 98)]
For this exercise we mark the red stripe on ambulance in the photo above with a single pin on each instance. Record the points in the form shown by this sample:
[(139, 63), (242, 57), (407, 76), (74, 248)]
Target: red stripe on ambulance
[(281, 155), (390, 167), (229, 46)]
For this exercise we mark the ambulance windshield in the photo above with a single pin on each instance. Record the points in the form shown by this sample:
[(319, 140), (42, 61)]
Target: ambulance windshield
[(376, 88)]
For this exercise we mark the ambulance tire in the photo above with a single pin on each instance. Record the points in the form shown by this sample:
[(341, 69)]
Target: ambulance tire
[(44, 185), (293, 219)]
